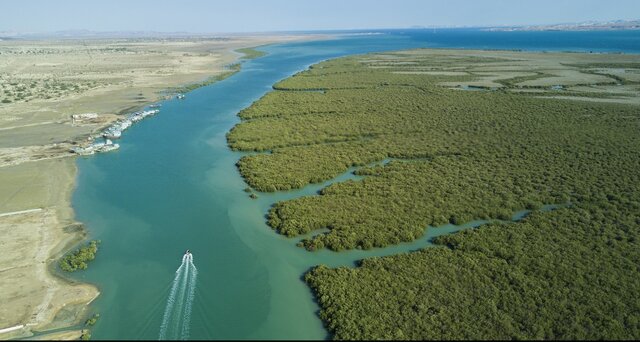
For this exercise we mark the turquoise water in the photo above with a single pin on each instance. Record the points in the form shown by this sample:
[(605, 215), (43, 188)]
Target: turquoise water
[(173, 185)]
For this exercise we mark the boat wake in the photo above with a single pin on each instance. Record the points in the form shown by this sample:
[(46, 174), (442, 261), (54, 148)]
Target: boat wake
[(177, 314)]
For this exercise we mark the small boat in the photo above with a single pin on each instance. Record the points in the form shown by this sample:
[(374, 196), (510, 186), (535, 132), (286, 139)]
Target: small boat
[(108, 147), (180, 97), (188, 252), (112, 134), (150, 112), (105, 146)]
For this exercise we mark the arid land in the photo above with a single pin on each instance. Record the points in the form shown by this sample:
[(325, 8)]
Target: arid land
[(42, 84)]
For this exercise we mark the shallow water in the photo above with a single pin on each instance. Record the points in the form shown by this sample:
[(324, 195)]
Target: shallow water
[(173, 185)]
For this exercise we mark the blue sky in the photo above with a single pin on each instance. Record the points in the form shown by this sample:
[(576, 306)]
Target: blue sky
[(215, 16)]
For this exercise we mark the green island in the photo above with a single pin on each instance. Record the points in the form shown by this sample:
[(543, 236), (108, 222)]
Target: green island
[(86, 335), (250, 53), (464, 135), (92, 321), (78, 259)]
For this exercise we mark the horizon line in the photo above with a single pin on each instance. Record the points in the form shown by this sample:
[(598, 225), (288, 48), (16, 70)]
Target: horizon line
[(77, 33)]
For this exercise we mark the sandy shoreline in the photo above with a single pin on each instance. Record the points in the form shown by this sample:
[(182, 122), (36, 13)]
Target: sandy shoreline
[(38, 174), (32, 296)]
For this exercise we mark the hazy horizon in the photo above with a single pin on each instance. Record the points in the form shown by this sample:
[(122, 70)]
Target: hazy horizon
[(245, 16)]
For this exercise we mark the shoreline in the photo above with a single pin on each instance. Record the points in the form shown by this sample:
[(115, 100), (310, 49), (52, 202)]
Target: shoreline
[(58, 229), (58, 232)]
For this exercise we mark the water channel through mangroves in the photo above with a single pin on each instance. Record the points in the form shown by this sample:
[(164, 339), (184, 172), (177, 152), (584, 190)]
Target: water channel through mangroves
[(173, 186)]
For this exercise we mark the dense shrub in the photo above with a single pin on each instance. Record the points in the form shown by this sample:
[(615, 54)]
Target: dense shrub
[(78, 259)]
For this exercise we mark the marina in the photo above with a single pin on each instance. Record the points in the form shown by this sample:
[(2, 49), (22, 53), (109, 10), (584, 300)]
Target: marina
[(104, 141), (115, 130), (102, 146)]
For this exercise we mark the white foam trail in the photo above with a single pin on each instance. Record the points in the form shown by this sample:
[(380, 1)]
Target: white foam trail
[(176, 320), (191, 290), (170, 303)]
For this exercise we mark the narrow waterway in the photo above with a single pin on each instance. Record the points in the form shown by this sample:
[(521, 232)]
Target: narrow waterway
[(173, 186)]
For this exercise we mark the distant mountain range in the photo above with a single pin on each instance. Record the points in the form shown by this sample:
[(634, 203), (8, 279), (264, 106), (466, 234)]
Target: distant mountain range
[(582, 26)]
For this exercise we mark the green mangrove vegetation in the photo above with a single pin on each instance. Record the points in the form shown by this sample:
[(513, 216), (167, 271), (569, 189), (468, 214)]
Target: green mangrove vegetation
[(93, 320), (566, 274), (456, 156), (86, 335), (463, 154), (250, 53), (228, 72), (78, 259)]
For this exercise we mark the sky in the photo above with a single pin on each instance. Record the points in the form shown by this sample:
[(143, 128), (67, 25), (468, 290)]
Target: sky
[(215, 16)]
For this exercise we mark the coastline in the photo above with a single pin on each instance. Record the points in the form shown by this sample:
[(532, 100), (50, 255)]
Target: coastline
[(47, 292), (37, 221)]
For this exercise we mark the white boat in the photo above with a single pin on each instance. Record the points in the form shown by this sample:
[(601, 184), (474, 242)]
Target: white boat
[(124, 124), (115, 131), (137, 116), (148, 113), (82, 150), (112, 134), (107, 148), (104, 146), (107, 145)]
